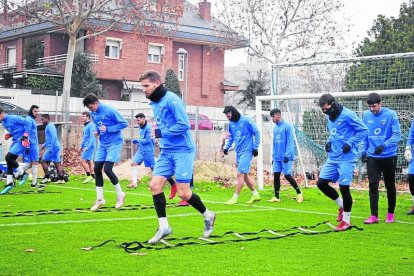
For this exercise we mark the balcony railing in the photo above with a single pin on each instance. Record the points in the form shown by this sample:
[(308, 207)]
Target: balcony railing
[(61, 59), (6, 66)]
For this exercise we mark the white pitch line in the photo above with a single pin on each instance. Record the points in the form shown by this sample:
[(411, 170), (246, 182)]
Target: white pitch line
[(244, 205)]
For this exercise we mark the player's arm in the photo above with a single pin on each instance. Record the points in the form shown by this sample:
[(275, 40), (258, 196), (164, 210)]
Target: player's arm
[(365, 142), (290, 142), (147, 137), (230, 141), (182, 124), (256, 134), (120, 122), (361, 130), (395, 133)]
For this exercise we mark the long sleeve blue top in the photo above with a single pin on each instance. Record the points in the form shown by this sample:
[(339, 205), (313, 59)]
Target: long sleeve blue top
[(145, 141), (51, 140), (89, 140), (244, 134), (384, 129), (283, 141), (15, 125), (108, 116), (410, 139), (31, 129)]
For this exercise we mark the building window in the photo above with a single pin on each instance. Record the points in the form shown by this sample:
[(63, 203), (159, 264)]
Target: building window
[(113, 48), (181, 65), (155, 51), (11, 56)]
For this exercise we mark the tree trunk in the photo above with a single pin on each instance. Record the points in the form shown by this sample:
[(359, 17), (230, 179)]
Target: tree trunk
[(66, 87)]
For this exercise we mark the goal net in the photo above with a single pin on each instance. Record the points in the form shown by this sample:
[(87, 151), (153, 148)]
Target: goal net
[(296, 88)]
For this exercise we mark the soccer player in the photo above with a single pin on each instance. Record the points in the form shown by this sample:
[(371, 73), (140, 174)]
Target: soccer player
[(177, 154), (146, 148), (246, 136), (88, 146), (51, 149), (346, 132), (109, 124), (409, 157), (31, 155), (379, 151), (16, 127), (283, 154)]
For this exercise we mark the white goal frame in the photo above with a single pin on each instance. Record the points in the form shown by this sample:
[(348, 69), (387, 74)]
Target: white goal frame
[(259, 120)]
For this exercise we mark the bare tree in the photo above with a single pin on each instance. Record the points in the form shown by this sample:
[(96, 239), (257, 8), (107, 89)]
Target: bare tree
[(95, 17), (285, 30)]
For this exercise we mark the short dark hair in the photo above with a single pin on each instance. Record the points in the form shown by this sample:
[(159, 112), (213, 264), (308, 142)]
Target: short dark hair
[(46, 116), (86, 113), (373, 98), (140, 115), (228, 108), (90, 99), (326, 99), (152, 76), (275, 111), (33, 107)]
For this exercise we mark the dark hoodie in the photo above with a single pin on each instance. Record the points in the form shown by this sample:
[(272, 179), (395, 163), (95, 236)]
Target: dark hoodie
[(235, 115)]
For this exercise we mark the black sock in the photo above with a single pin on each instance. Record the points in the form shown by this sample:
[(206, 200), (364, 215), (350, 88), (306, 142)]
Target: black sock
[(93, 175), (196, 202), (47, 175), (293, 182), (88, 174), (171, 181), (160, 205), (347, 198), (276, 183)]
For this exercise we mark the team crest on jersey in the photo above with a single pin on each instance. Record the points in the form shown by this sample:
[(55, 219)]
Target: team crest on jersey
[(383, 122), (339, 122)]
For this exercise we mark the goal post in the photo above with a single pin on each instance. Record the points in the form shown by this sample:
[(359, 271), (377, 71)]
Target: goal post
[(297, 86)]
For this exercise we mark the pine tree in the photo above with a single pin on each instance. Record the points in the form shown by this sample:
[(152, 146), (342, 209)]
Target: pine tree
[(172, 83)]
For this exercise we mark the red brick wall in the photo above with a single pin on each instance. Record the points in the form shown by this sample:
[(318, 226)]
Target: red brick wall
[(113, 89), (58, 44)]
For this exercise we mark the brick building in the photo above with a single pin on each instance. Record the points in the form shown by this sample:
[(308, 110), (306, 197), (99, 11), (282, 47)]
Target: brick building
[(119, 57)]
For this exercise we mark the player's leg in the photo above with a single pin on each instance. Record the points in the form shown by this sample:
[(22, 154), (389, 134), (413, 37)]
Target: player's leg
[(346, 173), (287, 171), (137, 159), (248, 179), (11, 164), (99, 180), (86, 161), (388, 168), (411, 186), (91, 168), (112, 157), (59, 169), (374, 176)]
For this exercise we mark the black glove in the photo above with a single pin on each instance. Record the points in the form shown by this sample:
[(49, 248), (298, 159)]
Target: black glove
[(285, 160), (158, 133), (328, 147), (378, 150), (226, 151), (364, 158), (346, 148), (27, 151), (255, 152)]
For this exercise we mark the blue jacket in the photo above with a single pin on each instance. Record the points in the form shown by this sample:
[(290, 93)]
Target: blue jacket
[(410, 139), (15, 125), (51, 140), (89, 140), (283, 141), (384, 129), (347, 128), (114, 122), (172, 121), (145, 141), (244, 134), (31, 129)]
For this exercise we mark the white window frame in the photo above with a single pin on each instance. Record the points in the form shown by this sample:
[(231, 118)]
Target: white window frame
[(114, 44), (13, 63), (155, 52), (181, 67)]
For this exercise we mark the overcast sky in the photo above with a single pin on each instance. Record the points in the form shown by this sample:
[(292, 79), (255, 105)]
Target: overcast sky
[(361, 13)]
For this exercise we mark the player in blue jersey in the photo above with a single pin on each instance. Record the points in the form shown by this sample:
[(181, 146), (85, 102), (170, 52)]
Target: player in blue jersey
[(177, 154), (379, 151), (409, 158), (146, 148), (109, 124), (16, 127), (283, 154), (31, 156), (246, 137), (88, 146), (51, 152), (346, 132)]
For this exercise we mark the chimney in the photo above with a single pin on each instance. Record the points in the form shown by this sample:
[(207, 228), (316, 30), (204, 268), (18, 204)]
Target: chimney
[(205, 10)]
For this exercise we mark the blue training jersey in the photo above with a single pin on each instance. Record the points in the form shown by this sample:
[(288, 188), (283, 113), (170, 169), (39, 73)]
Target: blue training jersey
[(347, 128), (283, 141), (145, 141), (51, 140), (31, 129), (384, 129), (172, 121), (107, 116), (410, 138), (244, 134), (15, 125), (89, 140)]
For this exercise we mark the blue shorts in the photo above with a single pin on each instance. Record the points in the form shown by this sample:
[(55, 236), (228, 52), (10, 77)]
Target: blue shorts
[(108, 153), (146, 157), (243, 162), (17, 148), (33, 155), (342, 171), (285, 168), (51, 156), (87, 154), (411, 167), (180, 164)]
